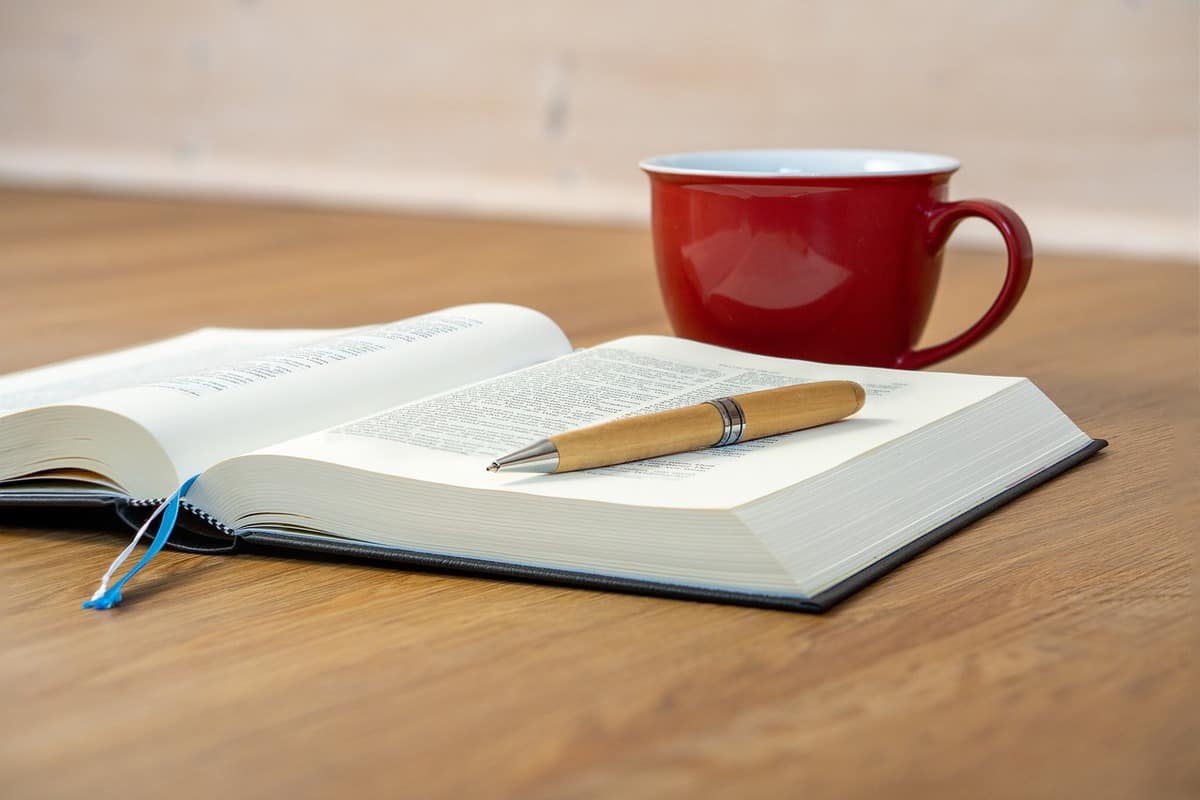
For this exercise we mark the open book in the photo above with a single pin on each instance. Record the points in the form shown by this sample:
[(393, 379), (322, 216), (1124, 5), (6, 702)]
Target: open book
[(374, 441)]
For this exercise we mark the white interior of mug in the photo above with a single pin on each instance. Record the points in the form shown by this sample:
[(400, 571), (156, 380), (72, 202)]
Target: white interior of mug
[(805, 163)]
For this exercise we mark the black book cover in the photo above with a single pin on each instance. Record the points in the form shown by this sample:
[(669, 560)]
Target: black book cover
[(199, 533)]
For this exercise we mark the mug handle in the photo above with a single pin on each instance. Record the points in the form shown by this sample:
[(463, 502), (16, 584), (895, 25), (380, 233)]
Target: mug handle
[(942, 220)]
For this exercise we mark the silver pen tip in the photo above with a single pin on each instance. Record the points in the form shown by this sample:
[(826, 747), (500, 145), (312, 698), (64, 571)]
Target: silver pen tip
[(541, 456)]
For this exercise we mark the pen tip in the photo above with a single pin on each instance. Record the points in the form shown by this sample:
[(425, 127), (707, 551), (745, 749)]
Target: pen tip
[(493, 467)]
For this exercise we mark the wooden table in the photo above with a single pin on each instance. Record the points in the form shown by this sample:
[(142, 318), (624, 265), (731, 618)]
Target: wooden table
[(1047, 651)]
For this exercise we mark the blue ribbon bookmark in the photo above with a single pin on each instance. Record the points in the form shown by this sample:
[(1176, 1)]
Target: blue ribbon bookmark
[(108, 596)]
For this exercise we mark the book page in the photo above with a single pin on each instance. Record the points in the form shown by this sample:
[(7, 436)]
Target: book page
[(451, 438), (204, 416), (190, 352)]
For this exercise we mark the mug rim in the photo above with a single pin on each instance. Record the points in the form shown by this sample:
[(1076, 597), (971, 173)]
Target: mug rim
[(887, 163)]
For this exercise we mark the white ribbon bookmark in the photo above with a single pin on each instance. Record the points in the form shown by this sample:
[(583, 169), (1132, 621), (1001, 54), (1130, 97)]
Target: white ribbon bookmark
[(106, 597)]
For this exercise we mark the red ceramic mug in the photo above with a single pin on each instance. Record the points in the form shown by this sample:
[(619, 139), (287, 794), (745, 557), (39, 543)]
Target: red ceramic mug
[(828, 255)]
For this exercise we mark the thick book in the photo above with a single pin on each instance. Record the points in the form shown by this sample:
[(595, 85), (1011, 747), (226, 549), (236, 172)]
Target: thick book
[(373, 442)]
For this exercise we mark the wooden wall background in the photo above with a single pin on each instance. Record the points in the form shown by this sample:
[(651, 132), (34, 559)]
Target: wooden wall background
[(1082, 114)]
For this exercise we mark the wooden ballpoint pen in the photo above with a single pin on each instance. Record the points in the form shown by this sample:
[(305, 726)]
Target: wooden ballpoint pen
[(716, 423)]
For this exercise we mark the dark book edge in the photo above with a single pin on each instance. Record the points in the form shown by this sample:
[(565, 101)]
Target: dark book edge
[(269, 540), (191, 535), (200, 536), (843, 589)]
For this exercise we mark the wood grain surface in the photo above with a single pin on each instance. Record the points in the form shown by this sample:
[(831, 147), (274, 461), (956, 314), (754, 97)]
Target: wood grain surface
[(1048, 651)]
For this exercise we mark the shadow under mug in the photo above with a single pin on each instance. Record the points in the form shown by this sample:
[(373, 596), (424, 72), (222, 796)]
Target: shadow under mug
[(827, 255)]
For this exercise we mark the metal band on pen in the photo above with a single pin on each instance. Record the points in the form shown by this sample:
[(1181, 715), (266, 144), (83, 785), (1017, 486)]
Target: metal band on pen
[(733, 418)]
